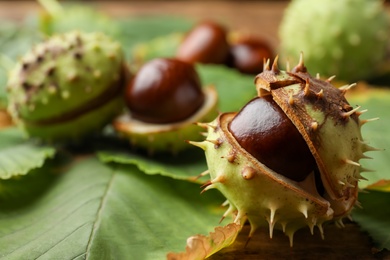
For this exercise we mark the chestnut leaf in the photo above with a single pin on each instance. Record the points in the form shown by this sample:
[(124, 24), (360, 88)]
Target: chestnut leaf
[(93, 210), (184, 166), (18, 156), (234, 88), (374, 217), (376, 101), (56, 18)]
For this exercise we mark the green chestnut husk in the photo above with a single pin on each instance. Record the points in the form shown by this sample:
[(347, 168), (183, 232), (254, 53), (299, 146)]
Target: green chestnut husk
[(169, 137), (67, 86), (259, 186), (347, 38), (164, 100)]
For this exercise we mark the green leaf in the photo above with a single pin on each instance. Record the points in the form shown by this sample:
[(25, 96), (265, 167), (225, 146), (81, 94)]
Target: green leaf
[(375, 133), (374, 217), (185, 166), (162, 46), (144, 30), (99, 211), (145, 38), (234, 88), (18, 156), (22, 190), (61, 19), (17, 38)]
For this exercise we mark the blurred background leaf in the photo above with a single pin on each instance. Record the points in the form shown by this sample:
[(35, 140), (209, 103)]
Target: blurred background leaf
[(18, 156), (374, 217), (376, 101)]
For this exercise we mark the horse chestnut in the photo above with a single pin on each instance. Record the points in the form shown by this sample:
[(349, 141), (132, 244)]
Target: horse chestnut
[(248, 54), (164, 91), (290, 157), (164, 99), (264, 131), (205, 43)]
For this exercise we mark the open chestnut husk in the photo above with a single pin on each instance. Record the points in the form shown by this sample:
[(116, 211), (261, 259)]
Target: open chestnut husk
[(290, 157), (164, 99)]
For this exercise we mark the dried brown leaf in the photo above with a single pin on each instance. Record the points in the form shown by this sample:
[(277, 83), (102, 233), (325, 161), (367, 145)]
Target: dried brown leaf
[(382, 185), (201, 247)]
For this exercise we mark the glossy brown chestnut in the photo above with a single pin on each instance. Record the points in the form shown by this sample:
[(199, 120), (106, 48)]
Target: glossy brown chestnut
[(247, 55), (205, 43), (163, 91), (265, 132)]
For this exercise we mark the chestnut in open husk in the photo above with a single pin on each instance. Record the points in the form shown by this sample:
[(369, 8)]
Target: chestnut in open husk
[(290, 157), (164, 99), (164, 91)]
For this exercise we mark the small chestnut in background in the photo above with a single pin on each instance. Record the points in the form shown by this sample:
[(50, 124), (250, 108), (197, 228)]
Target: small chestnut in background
[(164, 90), (247, 54), (205, 43), (210, 42)]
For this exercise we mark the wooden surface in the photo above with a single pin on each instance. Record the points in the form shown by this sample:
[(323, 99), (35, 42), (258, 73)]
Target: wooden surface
[(339, 243), (260, 18)]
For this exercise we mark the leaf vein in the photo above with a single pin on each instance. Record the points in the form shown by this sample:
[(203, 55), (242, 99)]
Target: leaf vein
[(58, 208), (99, 213), (64, 238), (48, 229)]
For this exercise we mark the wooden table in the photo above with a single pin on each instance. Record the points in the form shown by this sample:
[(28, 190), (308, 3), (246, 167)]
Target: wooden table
[(260, 18)]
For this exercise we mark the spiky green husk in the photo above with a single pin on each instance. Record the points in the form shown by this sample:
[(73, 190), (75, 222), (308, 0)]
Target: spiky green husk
[(330, 127), (63, 78), (78, 127), (329, 124), (170, 137), (345, 38), (260, 195)]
